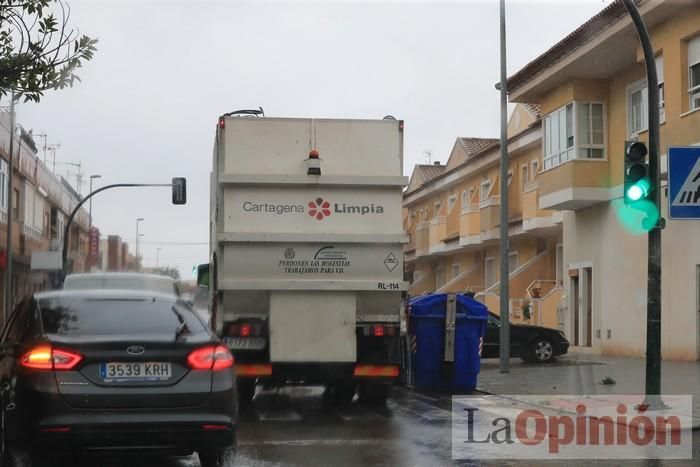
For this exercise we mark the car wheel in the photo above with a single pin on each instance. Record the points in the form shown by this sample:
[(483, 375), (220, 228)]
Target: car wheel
[(373, 393), (541, 350), (246, 392), (216, 457)]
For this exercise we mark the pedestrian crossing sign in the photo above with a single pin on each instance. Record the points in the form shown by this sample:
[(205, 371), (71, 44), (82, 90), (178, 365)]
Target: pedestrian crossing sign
[(684, 182)]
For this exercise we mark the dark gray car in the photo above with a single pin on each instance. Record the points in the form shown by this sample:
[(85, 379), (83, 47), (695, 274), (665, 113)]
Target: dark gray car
[(114, 371)]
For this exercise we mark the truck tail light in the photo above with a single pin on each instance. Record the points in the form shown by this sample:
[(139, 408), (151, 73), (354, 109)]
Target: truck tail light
[(46, 358), (245, 329), (222, 122), (211, 357), (379, 330)]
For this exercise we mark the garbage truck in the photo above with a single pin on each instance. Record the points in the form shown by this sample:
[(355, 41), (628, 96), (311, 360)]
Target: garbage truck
[(305, 275)]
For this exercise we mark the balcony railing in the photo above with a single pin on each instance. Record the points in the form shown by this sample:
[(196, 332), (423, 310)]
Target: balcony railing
[(32, 232), (490, 201)]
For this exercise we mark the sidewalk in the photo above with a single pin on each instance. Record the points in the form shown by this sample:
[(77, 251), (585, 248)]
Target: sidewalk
[(582, 373)]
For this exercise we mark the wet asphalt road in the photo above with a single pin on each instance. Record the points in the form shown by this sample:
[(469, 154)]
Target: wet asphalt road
[(295, 426)]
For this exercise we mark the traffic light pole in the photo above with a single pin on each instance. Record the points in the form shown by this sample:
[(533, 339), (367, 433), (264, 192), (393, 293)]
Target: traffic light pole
[(504, 336), (66, 232), (653, 361)]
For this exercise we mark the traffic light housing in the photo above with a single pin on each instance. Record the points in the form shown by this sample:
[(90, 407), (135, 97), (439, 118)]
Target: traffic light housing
[(637, 185)]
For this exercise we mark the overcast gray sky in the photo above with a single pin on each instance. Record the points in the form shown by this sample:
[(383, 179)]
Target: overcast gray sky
[(164, 70)]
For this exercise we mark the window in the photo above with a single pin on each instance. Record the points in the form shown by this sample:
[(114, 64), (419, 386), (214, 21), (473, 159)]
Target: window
[(637, 113), (439, 278), (15, 203), (490, 272), (560, 263), (422, 215), (437, 206), (455, 270), (561, 143), (451, 201), (3, 185), (110, 316), (525, 178), (465, 201), (559, 136), (535, 167), (590, 131), (512, 261), (510, 177), (416, 276), (694, 72), (660, 78), (485, 190)]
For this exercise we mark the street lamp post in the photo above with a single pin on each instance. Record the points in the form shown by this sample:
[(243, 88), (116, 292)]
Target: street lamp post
[(92, 177), (136, 253)]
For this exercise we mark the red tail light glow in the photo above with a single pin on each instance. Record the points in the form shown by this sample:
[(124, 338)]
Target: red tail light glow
[(378, 330), (244, 330), (215, 427), (222, 122), (210, 358), (46, 358)]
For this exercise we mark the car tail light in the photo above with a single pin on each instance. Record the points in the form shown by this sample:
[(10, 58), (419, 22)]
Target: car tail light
[(378, 330), (210, 358), (245, 330), (215, 427), (46, 358)]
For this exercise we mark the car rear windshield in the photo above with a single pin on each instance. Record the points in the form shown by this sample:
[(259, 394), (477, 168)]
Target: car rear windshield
[(115, 316), (125, 283)]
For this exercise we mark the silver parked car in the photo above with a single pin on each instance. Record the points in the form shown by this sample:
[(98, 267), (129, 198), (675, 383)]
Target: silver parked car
[(122, 281)]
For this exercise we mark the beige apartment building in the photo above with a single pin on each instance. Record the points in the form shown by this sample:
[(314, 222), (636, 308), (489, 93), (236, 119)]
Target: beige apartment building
[(578, 104)]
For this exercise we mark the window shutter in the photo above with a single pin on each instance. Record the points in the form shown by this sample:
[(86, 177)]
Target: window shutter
[(659, 61), (694, 51)]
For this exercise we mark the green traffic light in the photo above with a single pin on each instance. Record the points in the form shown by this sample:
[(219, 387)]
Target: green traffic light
[(635, 193), (638, 191)]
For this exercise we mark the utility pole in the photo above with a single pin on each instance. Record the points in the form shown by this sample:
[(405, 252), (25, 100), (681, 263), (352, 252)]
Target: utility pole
[(10, 196), (653, 363), (157, 256), (136, 253), (504, 346), (92, 177)]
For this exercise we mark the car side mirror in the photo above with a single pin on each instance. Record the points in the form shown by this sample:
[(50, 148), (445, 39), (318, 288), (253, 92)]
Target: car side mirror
[(203, 275)]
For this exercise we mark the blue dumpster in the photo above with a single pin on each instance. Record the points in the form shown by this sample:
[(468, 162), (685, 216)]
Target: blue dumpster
[(433, 366)]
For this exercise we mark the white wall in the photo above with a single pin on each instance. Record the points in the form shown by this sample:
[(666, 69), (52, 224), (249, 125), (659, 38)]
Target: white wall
[(619, 259)]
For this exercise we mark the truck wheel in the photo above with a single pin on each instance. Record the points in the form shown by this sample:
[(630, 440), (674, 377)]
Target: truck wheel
[(343, 393), (246, 392), (374, 393)]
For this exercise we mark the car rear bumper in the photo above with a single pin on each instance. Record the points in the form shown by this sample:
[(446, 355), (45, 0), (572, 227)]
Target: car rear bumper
[(180, 435)]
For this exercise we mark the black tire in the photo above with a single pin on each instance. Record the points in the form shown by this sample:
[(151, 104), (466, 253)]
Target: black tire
[(540, 350), (343, 393), (217, 457), (246, 392), (373, 393)]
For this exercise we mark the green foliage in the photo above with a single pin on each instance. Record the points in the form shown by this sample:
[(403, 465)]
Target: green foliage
[(168, 271), (38, 49)]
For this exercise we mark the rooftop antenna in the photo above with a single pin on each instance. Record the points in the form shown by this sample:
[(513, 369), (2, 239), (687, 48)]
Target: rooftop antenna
[(428, 155), (52, 148)]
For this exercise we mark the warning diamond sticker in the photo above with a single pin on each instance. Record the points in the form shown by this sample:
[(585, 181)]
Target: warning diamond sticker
[(391, 262)]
